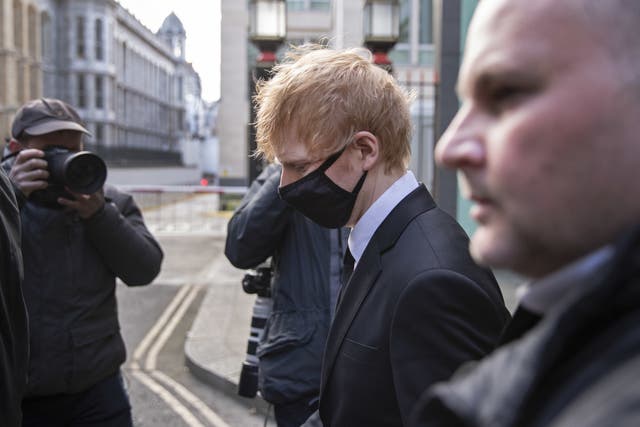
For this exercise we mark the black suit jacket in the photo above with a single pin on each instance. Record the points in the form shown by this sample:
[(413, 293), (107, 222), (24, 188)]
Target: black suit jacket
[(415, 308)]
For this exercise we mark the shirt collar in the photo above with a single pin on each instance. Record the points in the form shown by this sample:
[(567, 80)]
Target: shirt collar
[(543, 295), (369, 222)]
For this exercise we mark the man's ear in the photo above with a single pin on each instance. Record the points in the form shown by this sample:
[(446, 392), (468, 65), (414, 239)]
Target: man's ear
[(14, 145), (369, 148)]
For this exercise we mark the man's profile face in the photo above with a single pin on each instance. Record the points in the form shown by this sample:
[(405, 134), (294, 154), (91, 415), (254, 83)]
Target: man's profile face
[(544, 141)]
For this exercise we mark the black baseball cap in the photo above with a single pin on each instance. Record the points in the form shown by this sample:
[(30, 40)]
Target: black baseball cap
[(46, 115)]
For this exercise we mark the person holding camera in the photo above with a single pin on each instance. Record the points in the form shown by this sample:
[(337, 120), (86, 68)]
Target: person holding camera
[(306, 262), (74, 247)]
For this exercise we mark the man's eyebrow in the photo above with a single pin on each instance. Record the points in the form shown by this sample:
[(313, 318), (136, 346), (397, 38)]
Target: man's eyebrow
[(486, 79)]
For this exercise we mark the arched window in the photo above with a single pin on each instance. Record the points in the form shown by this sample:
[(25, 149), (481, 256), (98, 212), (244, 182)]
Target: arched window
[(99, 37)]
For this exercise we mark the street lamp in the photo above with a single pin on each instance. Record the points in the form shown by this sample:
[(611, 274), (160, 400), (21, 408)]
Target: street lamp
[(267, 31), (381, 29), (267, 27)]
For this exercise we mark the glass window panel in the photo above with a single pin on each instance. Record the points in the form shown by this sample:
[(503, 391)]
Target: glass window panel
[(80, 50), (405, 20), (82, 100), (98, 36), (400, 54), (426, 21), (320, 5), (426, 56), (99, 92), (294, 5)]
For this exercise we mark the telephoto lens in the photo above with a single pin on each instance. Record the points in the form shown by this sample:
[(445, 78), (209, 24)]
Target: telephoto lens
[(82, 172), (248, 383)]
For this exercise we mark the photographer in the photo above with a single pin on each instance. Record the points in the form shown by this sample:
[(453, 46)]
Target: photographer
[(306, 261), (74, 246)]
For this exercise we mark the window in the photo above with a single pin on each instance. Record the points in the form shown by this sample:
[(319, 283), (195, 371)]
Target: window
[(293, 5), (80, 47), (99, 136), (426, 22), (415, 42), (99, 44), (81, 91), (99, 92), (320, 5)]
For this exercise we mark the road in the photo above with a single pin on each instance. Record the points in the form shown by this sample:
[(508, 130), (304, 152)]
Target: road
[(155, 320)]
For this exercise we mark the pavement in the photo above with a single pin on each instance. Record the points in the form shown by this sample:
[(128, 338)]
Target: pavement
[(216, 345)]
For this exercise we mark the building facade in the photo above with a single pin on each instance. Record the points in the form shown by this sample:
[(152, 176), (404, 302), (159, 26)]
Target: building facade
[(124, 79), (20, 57), (135, 90), (338, 23)]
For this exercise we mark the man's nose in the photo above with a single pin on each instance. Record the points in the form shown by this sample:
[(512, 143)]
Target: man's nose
[(462, 144)]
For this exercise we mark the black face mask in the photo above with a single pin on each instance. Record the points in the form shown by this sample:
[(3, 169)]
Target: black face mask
[(320, 199)]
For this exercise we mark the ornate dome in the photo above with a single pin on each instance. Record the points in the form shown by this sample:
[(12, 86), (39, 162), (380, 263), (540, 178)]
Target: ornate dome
[(172, 25)]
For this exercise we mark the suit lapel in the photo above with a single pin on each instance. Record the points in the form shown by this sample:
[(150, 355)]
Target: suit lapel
[(367, 271)]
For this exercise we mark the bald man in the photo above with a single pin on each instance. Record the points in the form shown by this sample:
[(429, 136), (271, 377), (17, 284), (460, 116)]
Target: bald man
[(547, 144)]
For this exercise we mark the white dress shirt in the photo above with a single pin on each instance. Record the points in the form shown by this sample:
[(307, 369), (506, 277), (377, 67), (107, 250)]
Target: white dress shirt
[(369, 222)]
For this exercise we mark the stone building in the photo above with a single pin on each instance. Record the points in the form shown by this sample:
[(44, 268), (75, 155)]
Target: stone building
[(122, 78), (20, 52), (131, 86)]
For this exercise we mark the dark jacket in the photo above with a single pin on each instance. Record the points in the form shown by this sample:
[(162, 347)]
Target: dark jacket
[(71, 266), (14, 338), (264, 226), (577, 367), (415, 308)]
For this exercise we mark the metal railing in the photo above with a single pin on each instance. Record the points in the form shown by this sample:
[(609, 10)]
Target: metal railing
[(185, 208)]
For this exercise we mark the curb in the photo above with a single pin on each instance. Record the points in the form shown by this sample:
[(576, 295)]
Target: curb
[(223, 384)]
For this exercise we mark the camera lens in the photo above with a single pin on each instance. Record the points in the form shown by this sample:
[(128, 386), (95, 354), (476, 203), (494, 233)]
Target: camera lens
[(85, 172)]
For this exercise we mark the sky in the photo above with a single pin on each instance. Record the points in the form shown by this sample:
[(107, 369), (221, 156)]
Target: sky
[(201, 20)]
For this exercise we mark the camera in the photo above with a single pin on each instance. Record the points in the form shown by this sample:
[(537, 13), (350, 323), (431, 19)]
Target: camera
[(82, 172), (255, 282), (258, 282)]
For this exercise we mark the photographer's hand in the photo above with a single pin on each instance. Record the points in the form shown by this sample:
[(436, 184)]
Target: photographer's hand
[(87, 205), (29, 171)]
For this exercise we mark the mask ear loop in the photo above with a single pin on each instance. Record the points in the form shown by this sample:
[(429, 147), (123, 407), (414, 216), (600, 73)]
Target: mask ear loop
[(335, 156), (332, 159), (360, 183)]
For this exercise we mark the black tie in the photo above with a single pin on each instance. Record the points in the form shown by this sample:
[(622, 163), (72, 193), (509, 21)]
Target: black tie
[(347, 271)]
